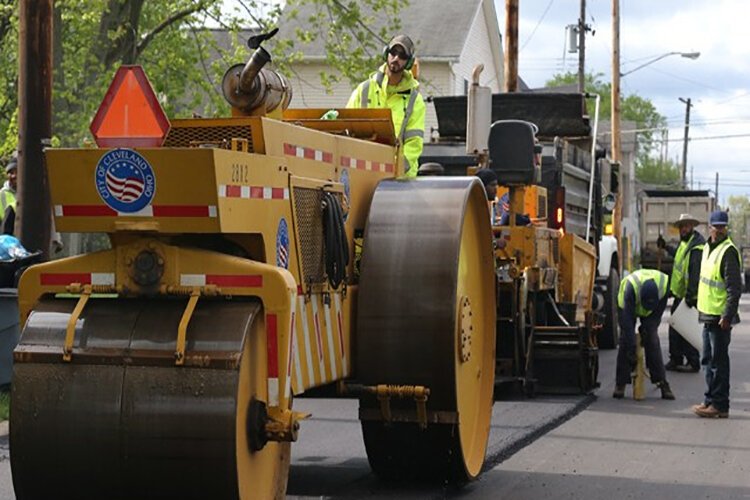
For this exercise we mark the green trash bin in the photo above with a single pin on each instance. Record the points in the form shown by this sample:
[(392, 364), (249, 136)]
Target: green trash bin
[(9, 333)]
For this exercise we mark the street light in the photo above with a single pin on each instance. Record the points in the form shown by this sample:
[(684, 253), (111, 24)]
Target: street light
[(688, 55)]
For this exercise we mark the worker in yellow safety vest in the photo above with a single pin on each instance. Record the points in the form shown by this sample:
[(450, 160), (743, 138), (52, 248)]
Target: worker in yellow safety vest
[(719, 294), (393, 86), (683, 285), (8, 197), (643, 294)]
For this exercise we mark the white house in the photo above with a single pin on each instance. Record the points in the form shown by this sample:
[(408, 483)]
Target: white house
[(451, 38)]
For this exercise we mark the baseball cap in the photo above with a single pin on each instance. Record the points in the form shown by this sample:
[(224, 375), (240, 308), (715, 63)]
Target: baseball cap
[(486, 176), (649, 295), (718, 218), (13, 163)]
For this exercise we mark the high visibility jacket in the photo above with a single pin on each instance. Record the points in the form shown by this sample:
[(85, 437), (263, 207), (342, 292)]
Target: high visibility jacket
[(407, 111), (7, 199), (636, 279), (679, 282), (712, 289)]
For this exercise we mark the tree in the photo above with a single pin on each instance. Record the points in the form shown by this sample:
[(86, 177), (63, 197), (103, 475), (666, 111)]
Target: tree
[(651, 170), (739, 214), (632, 107), (183, 59), (353, 34)]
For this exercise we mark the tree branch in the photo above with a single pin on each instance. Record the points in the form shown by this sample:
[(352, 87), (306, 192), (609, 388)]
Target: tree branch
[(148, 37)]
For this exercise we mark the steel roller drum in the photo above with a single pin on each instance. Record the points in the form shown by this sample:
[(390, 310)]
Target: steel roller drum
[(427, 251), (120, 420)]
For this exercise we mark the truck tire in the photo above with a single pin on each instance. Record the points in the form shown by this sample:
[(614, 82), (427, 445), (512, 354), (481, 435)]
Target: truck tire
[(609, 335)]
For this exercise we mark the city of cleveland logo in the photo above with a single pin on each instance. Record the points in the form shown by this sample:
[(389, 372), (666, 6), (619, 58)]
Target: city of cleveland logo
[(125, 180)]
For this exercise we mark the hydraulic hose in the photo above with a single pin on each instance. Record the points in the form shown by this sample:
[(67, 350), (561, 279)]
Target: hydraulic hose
[(336, 245)]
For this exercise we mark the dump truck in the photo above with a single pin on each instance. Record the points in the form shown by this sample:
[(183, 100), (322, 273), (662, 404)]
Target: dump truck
[(575, 202), (659, 208), (547, 326), (167, 364)]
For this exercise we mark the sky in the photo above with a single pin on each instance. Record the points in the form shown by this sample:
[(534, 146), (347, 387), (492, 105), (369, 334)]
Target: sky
[(718, 82)]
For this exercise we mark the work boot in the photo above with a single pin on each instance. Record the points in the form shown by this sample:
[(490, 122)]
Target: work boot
[(702, 406), (711, 412), (666, 391), (672, 366), (619, 392), (690, 369)]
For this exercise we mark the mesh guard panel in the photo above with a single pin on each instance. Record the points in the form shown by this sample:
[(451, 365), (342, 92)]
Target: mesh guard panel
[(187, 136), (309, 224)]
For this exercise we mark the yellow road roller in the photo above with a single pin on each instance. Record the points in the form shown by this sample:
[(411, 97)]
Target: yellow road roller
[(166, 364)]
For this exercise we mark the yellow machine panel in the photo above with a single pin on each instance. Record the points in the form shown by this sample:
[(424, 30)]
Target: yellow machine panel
[(577, 272), (534, 201)]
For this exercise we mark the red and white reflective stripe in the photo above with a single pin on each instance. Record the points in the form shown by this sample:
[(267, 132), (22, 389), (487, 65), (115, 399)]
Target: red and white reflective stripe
[(293, 354), (306, 334), (340, 322), (374, 166), (64, 279), (228, 280), (149, 211), (253, 192), (272, 352), (307, 153), (331, 344), (318, 336)]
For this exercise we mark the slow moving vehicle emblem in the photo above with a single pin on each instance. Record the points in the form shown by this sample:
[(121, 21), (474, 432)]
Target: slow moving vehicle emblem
[(125, 180), (282, 244)]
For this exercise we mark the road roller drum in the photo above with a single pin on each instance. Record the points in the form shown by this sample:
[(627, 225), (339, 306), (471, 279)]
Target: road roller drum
[(427, 317), (122, 421)]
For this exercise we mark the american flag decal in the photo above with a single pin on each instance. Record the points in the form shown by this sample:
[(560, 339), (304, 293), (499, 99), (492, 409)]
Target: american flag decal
[(282, 244), (124, 189)]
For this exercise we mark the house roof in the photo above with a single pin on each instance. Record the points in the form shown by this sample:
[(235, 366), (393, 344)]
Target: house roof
[(439, 28)]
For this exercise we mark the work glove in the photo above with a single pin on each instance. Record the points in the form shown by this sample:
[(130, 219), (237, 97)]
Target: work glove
[(691, 303), (660, 243)]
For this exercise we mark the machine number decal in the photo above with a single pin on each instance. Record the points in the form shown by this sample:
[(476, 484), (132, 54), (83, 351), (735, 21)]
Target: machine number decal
[(282, 244), (344, 179), (125, 180), (239, 173)]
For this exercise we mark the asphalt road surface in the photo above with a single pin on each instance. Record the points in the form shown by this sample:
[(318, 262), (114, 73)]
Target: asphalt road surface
[(551, 447)]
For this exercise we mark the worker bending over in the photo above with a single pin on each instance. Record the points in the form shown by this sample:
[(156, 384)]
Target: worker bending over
[(643, 294)]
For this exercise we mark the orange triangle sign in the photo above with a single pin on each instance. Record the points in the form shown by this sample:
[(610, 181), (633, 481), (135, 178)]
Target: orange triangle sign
[(130, 114)]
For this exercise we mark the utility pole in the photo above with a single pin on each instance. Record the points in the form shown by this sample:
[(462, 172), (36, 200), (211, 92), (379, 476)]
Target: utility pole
[(511, 45), (685, 142), (582, 48), (716, 189), (616, 151), (691, 177), (34, 219)]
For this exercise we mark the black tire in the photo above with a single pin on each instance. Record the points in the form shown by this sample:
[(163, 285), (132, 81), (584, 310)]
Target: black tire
[(609, 335)]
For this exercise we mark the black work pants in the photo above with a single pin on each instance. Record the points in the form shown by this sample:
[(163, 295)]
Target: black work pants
[(679, 348), (650, 337)]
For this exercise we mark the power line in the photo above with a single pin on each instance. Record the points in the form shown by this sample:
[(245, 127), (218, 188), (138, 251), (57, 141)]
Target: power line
[(538, 23)]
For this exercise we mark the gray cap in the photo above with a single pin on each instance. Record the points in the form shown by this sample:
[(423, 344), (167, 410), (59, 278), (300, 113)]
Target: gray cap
[(405, 42), (649, 295), (12, 164)]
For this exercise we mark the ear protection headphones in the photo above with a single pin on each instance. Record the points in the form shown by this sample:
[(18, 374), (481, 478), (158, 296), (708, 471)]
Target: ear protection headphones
[(409, 61)]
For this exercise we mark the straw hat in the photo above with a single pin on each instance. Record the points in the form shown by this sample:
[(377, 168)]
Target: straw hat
[(686, 218)]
